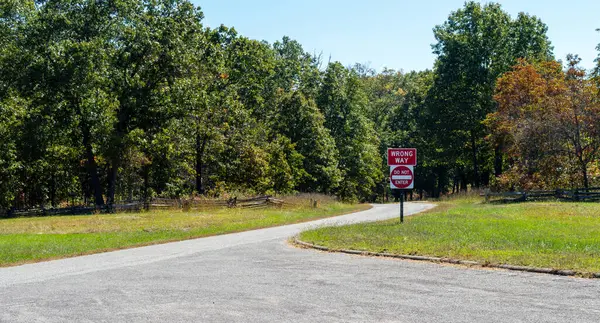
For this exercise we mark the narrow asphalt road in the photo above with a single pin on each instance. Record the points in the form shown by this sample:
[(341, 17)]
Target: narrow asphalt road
[(256, 276)]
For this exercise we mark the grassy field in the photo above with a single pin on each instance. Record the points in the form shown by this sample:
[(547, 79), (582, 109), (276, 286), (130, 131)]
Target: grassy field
[(552, 235), (33, 239)]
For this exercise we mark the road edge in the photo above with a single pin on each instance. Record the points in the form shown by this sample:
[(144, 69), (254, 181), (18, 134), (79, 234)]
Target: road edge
[(468, 263), (173, 240)]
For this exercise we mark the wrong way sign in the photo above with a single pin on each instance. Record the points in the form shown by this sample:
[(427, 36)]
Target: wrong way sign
[(402, 177), (402, 156)]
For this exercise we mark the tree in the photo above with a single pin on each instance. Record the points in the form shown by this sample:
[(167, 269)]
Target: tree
[(296, 69), (396, 107), (474, 47), (522, 128), (596, 71), (152, 53), (297, 80), (301, 121), (61, 67), (104, 72), (11, 116), (547, 121), (12, 107), (207, 102), (580, 118), (343, 103)]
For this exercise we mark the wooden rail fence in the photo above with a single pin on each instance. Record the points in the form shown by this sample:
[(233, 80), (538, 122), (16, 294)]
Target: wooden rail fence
[(578, 194), (154, 204)]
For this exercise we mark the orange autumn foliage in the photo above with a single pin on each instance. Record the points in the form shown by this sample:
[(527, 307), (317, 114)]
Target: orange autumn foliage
[(547, 124)]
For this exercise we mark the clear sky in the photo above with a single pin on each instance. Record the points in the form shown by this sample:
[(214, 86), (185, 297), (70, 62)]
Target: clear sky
[(392, 33)]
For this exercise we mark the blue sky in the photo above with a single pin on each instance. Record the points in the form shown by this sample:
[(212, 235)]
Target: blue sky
[(395, 34)]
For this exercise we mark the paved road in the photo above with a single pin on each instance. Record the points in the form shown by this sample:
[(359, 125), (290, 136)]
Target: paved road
[(256, 277)]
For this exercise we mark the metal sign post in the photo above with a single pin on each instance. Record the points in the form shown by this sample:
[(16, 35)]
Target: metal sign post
[(402, 207), (402, 175)]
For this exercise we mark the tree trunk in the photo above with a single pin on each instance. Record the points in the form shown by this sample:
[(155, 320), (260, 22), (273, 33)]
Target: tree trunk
[(146, 176), (498, 161), (385, 193), (463, 181), (584, 172), (53, 191), (454, 184), (434, 186), (112, 182), (474, 157), (92, 167), (441, 181), (200, 147), (485, 179)]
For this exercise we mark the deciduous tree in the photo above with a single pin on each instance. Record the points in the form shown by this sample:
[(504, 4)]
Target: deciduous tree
[(474, 47)]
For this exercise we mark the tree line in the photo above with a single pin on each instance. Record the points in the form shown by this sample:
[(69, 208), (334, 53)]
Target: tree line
[(108, 100)]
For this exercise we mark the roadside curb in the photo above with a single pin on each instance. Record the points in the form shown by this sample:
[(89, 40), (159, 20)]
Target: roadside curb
[(551, 271)]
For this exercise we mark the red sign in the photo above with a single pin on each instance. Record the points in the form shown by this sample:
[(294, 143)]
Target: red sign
[(402, 156), (402, 177)]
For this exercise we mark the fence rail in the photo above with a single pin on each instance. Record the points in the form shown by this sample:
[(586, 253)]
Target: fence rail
[(578, 194), (154, 204)]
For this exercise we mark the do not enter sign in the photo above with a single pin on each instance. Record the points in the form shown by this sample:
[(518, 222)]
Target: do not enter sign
[(402, 177)]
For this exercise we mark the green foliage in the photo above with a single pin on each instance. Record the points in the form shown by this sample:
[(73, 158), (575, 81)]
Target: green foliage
[(344, 105), (11, 118), (118, 100), (475, 46), (302, 122), (397, 110)]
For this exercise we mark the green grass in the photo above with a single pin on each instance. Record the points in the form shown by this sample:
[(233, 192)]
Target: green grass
[(25, 240), (552, 235)]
